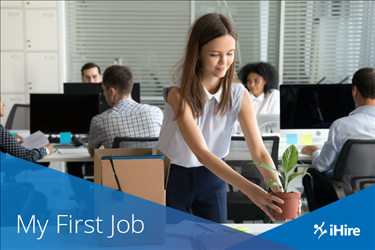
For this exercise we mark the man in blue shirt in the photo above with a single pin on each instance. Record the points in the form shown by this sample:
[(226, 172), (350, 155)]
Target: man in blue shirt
[(360, 124)]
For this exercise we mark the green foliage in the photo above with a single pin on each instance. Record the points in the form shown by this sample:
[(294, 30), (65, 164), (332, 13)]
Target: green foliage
[(272, 183), (288, 162)]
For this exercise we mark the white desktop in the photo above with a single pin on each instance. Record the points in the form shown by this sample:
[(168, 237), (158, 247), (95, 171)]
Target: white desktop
[(319, 136)]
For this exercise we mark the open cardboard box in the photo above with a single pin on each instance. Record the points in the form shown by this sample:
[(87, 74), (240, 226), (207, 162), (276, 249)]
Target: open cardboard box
[(144, 178)]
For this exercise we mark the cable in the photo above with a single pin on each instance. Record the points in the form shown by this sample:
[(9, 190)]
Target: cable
[(114, 171), (268, 124)]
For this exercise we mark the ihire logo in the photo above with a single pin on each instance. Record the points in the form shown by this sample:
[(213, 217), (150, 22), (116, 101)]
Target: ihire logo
[(334, 230)]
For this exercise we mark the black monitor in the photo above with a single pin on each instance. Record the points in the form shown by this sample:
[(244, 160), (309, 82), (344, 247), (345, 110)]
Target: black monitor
[(92, 88), (55, 113), (314, 106)]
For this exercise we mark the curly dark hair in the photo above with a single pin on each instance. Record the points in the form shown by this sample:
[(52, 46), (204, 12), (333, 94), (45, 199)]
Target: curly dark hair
[(265, 70)]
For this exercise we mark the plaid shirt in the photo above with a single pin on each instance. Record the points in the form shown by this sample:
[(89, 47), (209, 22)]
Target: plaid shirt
[(9, 145), (126, 119)]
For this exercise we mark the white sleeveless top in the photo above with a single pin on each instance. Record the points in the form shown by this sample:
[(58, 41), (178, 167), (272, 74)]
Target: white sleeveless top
[(216, 129)]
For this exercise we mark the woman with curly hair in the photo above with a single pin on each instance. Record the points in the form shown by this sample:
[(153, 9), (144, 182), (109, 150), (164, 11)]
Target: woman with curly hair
[(261, 79)]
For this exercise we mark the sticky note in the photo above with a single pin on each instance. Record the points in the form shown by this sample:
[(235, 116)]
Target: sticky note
[(306, 139), (242, 229), (291, 139), (65, 137)]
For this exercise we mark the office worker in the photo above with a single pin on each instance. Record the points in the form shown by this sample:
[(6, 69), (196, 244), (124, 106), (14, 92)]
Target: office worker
[(9, 144), (200, 112), (261, 79), (127, 117), (360, 124), (91, 73)]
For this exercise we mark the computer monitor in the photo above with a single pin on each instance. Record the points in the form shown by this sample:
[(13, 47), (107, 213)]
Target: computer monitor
[(94, 88), (55, 113), (311, 109)]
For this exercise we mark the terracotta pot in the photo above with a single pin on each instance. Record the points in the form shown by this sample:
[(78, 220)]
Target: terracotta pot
[(290, 206)]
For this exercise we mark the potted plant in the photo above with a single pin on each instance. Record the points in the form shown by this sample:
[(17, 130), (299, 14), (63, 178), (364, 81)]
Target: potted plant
[(291, 199)]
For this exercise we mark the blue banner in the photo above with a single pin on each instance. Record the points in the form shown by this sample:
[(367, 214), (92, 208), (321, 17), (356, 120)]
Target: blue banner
[(345, 224), (42, 208)]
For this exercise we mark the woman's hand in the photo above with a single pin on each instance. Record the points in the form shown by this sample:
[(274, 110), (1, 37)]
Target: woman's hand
[(299, 209), (19, 139), (263, 199), (50, 148)]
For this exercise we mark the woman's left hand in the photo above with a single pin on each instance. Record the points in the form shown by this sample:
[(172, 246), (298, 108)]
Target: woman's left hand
[(19, 139), (299, 208)]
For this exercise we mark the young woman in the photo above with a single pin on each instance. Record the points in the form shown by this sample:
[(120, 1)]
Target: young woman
[(200, 111), (261, 79)]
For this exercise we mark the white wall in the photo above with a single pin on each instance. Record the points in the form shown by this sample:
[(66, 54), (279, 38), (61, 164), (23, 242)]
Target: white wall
[(30, 50)]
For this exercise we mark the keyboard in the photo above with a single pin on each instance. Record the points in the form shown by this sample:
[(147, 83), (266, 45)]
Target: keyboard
[(66, 151)]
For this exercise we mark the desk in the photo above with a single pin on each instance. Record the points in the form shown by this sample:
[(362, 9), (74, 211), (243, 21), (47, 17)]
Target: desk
[(256, 229), (57, 157), (240, 152), (237, 152), (90, 241)]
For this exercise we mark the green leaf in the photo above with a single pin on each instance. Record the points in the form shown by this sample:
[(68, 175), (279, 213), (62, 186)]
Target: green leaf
[(292, 176), (272, 183), (290, 158), (267, 167)]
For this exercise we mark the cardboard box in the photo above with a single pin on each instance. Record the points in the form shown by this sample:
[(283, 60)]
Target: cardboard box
[(144, 178)]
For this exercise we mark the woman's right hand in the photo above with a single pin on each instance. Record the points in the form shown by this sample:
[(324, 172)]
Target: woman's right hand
[(263, 199), (50, 148)]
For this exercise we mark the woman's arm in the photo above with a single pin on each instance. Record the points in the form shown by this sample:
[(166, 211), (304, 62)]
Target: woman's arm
[(197, 144), (254, 140), (9, 145)]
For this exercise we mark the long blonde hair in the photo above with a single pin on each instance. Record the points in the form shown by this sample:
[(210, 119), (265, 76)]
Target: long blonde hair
[(204, 30)]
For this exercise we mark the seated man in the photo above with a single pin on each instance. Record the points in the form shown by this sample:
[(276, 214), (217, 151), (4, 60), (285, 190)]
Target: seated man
[(360, 124), (127, 117), (91, 73)]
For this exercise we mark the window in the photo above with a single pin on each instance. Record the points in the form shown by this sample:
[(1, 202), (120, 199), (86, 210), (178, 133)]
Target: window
[(258, 28), (149, 37), (327, 39)]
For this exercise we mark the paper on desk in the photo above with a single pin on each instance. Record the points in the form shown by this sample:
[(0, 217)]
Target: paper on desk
[(222, 241), (35, 140), (189, 229)]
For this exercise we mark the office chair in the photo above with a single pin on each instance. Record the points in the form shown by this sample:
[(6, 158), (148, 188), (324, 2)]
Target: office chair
[(135, 142), (22, 199), (19, 117), (239, 206), (354, 171)]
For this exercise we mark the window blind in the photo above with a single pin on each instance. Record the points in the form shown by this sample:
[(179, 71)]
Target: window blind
[(331, 39), (258, 28), (149, 37)]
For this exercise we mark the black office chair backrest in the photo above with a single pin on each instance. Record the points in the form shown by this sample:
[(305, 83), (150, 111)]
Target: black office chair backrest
[(250, 171), (270, 142), (19, 117), (135, 142), (355, 166)]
